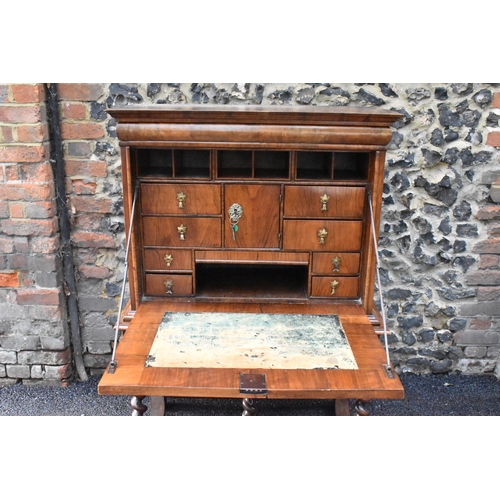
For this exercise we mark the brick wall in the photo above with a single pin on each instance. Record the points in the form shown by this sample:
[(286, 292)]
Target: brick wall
[(440, 232), (484, 325), (34, 341), (94, 196)]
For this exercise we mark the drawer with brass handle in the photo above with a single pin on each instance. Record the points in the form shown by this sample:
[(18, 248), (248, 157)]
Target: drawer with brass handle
[(182, 231), (334, 287), (174, 199), (168, 259), (324, 201), (169, 284), (327, 235), (335, 263)]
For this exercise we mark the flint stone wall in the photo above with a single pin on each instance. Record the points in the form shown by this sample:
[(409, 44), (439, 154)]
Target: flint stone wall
[(440, 232)]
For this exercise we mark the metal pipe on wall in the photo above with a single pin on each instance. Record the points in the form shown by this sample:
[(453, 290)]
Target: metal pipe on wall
[(58, 166)]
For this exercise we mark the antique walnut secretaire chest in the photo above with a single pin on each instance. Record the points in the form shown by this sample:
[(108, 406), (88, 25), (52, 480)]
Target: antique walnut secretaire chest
[(261, 211)]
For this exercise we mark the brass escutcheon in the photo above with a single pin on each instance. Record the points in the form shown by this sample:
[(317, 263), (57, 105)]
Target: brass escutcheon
[(168, 285), (169, 259), (322, 233), (336, 261), (324, 200), (181, 197), (182, 231), (334, 284)]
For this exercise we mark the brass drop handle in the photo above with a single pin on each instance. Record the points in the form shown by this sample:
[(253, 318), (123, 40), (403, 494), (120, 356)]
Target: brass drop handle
[(322, 233), (336, 261), (169, 259), (168, 286), (324, 200), (181, 197), (334, 284), (182, 229)]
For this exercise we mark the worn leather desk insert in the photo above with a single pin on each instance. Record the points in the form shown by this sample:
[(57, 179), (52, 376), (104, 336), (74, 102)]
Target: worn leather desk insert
[(246, 341)]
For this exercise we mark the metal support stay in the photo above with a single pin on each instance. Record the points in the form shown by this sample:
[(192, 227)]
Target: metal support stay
[(387, 367), (114, 363)]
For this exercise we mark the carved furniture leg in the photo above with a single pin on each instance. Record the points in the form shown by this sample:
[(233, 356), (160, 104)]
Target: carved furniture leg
[(138, 406), (157, 407), (342, 408), (360, 407), (248, 409)]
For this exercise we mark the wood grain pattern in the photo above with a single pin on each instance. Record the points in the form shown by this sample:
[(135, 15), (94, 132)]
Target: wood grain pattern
[(161, 199), (128, 181), (303, 235), (369, 381), (368, 266), (181, 284), (278, 115), (344, 202), (347, 287), (214, 134), (250, 257), (200, 232), (259, 224), (322, 263), (180, 260)]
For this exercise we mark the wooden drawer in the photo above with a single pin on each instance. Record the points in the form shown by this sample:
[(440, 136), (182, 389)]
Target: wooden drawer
[(169, 259), (342, 236), (345, 287), (164, 231), (343, 263), (161, 199), (259, 226), (178, 284), (306, 201)]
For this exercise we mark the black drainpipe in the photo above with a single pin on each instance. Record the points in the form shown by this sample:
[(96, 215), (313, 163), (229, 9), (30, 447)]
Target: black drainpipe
[(57, 161)]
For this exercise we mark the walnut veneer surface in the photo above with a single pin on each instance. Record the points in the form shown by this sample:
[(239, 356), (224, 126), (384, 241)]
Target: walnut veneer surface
[(368, 381), (298, 240)]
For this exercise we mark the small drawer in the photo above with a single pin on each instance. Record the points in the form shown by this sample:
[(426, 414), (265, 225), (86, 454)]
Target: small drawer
[(177, 199), (322, 235), (169, 285), (333, 287), (335, 263), (169, 259), (324, 201), (181, 232)]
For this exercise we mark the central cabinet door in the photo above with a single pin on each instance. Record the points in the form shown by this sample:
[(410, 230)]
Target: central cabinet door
[(258, 226)]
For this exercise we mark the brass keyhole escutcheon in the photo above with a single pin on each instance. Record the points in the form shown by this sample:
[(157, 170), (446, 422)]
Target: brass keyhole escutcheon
[(181, 197), (182, 231), (324, 200), (235, 212), (169, 259), (168, 286), (334, 284), (336, 261), (322, 233)]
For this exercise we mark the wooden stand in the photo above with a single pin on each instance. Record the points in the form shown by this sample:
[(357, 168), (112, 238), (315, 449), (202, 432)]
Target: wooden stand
[(252, 209)]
